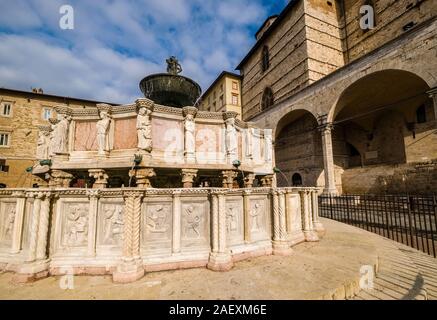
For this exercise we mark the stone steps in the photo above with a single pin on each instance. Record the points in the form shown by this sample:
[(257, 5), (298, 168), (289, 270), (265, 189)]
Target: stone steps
[(404, 274)]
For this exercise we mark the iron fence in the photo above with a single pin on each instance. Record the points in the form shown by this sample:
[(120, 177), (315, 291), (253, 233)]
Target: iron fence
[(408, 219)]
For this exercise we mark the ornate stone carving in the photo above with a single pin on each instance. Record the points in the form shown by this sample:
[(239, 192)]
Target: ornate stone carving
[(8, 222), (100, 178), (231, 139), (231, 219), (103, 128), (59, 134), (255, 213), (190, 134), (248, 180), (59, 179), (144, 124), (192, 219), (188, 176), (43, 143), (228, 177), (157, 219), (268, 139), (267, 181), (143, 176), (76, 231), (113, 225)]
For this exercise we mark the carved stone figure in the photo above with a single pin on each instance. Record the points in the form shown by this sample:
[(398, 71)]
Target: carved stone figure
[(59, 134), (144, 129), (231, 138), (102, 132), (254, 213), (114, 225), (190, 141), (9, 223), (42, 149), (157, 219), (173, 65), (231, 219), (249, 142), (77, 226), (192, 222)]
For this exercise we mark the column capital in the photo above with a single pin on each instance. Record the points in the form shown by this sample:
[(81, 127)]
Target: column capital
[(188, 176), (432, 93)]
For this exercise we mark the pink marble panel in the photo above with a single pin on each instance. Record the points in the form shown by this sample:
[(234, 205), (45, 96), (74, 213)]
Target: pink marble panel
[(125, 136), (209, 138), (167, 134), (85, 136)]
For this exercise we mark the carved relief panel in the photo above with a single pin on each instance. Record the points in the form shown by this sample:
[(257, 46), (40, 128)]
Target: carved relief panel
[(7, 218), (110, 224), (157, 225), (195, 224), (234, 221), (74, 225), (260, 220)]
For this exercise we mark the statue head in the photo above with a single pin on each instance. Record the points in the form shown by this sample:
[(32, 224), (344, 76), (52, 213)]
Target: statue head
[(142, 111)]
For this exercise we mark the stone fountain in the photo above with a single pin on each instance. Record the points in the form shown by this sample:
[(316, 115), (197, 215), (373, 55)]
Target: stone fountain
[(141, 187)]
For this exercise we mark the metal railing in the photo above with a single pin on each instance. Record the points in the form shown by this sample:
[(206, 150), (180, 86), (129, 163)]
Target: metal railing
[(408, 219)]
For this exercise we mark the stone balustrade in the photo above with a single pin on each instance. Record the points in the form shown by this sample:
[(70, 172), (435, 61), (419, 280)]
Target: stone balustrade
[(127, 232)]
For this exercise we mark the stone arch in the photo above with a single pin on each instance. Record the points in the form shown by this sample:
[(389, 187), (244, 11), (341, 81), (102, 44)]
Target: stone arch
[(385, 77), (298, 148)]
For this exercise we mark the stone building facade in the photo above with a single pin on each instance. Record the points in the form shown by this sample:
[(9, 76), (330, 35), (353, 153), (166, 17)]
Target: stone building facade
[(224, 94), (352, 110), (21, 115)]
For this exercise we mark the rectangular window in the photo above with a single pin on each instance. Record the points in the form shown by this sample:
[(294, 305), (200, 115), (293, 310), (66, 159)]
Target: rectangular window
[(234, 85), (6, 109), (47, 113), (222, 102), (221, 87), (3, 166), (235, 99), (4, 139)]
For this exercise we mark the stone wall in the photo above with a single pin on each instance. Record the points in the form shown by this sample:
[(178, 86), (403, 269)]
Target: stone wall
[(127, 231), (415, 178)]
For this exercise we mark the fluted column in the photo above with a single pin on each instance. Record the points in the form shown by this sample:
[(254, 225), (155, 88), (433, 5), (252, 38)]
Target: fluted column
[(308, 231), (328, 158), (280, 243), (131, 267), (176, 241), (17, 234), (220, 259)]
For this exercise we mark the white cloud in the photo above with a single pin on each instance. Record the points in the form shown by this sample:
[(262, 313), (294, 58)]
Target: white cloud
[(116, 43)]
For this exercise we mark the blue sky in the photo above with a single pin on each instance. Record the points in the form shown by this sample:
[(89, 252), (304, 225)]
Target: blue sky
[(115, 43)]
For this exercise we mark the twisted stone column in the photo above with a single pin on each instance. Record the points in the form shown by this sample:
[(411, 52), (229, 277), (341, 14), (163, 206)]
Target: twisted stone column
[(280, 243), (308, 231), (131, 267), (220, 259)]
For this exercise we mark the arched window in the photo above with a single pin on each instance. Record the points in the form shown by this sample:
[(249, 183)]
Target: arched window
[(421, 114), (296, 180), (267, 98), (265, 60)]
